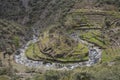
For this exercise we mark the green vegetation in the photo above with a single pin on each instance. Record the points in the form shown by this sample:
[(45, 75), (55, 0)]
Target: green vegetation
[(57, 22), (110, 2), (94, 37), (4, 78), (12, 36), (110, 54), (101, 37), (74, 20), (96, 12), (16, 41), (55, 44), (33, 52), (98, 72)]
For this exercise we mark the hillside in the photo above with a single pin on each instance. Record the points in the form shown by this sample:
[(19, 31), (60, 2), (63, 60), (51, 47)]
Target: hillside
[(59, 39), (12, 36), (36, 13)]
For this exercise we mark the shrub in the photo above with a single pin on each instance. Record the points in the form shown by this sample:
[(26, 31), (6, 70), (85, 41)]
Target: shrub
[(82, 76), (52, 75)]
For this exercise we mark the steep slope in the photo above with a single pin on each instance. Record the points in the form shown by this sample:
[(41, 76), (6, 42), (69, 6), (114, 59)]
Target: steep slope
[(62, 27), (72, 15), (36, 13), (12, 36)]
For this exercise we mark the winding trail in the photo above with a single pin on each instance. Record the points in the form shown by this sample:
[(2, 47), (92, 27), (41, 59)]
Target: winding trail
[(94, 57)]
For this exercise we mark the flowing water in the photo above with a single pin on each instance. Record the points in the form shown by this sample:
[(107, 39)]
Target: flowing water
[(94, 57)]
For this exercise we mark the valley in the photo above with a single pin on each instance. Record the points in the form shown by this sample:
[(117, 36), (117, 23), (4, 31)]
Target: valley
[(59, 39)]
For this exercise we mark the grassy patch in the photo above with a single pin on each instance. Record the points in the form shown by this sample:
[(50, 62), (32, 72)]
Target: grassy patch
[(94, 37), (4, 78), (33, 52), (101, 12), (81, 48), (110, 54)]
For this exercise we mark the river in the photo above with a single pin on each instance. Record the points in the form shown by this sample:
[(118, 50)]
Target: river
[(94, 57)]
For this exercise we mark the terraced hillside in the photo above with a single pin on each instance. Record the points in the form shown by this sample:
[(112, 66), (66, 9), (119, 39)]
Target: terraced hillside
[(98, 27), (93, 26), (57, 39), (55, 44)]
